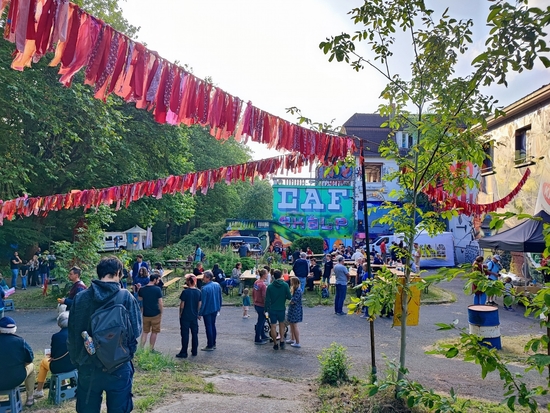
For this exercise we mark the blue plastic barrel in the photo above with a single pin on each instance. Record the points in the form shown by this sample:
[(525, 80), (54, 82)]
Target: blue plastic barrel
[(484, 322)]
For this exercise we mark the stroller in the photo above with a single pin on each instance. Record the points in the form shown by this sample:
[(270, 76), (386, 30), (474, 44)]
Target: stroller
[(267, 329)]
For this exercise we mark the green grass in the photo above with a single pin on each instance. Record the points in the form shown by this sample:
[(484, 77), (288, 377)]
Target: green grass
[(157, 378), (512, 348), (354, 397), (436, 295), (33, 298)]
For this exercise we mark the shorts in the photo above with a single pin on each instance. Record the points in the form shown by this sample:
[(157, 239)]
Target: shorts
[(151, 324), (276, 316)]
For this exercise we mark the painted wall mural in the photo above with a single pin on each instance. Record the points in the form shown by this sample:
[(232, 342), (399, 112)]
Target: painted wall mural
[(321, 211)]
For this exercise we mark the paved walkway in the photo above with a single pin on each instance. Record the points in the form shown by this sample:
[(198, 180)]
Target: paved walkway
[(237, 353)]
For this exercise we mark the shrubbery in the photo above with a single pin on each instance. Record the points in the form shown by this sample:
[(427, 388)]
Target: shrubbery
[(315, 243), (334, 365)]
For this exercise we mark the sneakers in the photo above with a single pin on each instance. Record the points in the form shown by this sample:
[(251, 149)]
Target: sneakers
[(275, 347), (246, 316), (282, 345), (179, 355), (296, 345), (289, 341), (341, 313), (363, 316), (38, 394), (260, 343), (207, 349)]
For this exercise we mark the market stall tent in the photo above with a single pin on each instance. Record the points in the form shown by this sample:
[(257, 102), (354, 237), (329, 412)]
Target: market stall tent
[(525, 237), (137, 238)]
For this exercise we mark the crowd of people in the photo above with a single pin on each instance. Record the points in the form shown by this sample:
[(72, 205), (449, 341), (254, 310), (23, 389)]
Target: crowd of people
[(275, 296), (33, 272)]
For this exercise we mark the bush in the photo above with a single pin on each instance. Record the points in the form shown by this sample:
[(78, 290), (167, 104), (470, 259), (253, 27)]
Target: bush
[(315, 243), (207, 236), (334, 365)]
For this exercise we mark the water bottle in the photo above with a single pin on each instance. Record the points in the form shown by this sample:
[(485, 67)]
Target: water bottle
[(88, 343)]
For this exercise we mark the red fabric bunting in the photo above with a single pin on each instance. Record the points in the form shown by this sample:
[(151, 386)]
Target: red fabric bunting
[(125, 194), (116, 64), (445, 201)]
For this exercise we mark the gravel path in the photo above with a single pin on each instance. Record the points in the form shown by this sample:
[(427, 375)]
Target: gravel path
[(236, 352)]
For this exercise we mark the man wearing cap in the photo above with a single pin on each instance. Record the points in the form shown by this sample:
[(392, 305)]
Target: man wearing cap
[(17, 357), (342, 277), (493, 272)]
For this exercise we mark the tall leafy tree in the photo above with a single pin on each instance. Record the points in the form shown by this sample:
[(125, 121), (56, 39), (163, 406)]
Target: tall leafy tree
[(223, 201), (109, 11), (444, 110), (257, 202), (58, 139)]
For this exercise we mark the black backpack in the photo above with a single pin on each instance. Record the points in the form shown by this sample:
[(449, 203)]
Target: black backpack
[(110, 329)]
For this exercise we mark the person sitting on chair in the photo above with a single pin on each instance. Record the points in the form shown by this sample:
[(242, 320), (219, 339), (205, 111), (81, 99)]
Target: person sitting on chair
[(59, 360), (17, 357)]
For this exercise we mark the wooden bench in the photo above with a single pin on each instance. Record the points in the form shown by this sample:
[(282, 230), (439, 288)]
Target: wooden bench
[(166, 274), (169, 283)]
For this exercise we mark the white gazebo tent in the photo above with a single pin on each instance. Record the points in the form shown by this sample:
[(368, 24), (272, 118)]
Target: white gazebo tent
[(136, 238)]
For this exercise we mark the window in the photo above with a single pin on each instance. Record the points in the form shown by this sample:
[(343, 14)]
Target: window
[(404, 140), (521, 153), (373, 172), (487, 166)]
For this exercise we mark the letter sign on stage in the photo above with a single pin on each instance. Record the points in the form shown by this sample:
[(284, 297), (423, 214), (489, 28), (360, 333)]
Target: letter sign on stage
[(285, 204), (312, 202), (336, 196)]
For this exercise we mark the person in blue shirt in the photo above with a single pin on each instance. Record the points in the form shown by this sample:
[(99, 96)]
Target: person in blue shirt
[(211, 299), (198, 254)]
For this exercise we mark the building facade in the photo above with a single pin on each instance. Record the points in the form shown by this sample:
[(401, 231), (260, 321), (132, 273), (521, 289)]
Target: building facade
[(515, 143), (368, 128)]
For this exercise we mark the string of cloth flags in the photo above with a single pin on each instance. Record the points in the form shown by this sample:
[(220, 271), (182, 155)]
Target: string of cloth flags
[(446, 201), (114, 63), (123, 195)]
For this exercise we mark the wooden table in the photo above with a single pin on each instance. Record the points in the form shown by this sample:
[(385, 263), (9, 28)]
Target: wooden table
[(248, 278), (247, 275), (176, 263)]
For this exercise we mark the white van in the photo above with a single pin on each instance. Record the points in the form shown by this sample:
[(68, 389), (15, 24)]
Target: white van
[(114, 241), (389, 239), (437, 251)]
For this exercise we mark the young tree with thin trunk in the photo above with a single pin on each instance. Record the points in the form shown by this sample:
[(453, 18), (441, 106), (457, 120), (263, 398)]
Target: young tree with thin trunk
[(430, 99)]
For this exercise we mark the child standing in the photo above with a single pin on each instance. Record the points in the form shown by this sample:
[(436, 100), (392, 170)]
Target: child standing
[(295, 312), (507, 292), (246, 303)]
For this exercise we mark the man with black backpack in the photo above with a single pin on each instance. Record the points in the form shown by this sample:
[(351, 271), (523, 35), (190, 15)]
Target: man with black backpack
[(104, 325)]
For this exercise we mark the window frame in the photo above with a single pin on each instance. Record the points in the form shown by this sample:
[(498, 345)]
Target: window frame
[(521, 146), (372, 165)]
